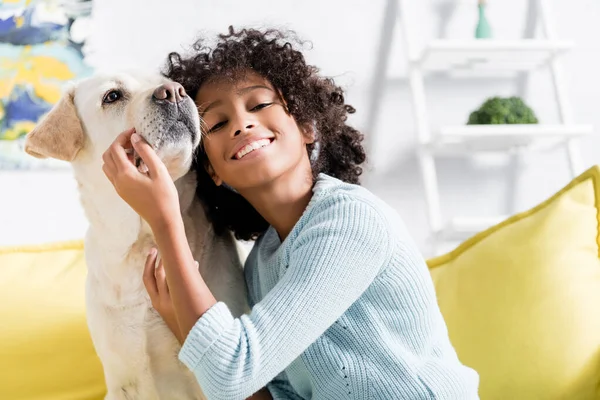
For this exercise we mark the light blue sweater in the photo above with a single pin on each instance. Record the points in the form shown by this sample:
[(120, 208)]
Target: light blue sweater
[(344, 308)]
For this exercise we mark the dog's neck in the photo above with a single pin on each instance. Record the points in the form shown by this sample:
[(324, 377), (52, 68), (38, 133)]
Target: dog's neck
[(114, 227)]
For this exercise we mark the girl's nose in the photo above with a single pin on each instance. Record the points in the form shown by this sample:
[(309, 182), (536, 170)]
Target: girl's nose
[(249, 126)]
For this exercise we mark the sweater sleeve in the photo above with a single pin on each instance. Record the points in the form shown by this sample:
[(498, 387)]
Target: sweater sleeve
[(281, 389), (332, 261)]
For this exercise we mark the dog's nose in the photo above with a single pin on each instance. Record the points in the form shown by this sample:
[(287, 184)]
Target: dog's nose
[(171, 91)]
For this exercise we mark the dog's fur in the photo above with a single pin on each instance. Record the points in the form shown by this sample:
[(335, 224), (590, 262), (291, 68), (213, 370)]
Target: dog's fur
[(137, 350)]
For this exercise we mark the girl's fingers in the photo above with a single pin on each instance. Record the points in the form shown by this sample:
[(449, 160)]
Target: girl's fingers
[(120, 157), (148, 155), (109, 173), (148, 277), (109, 166), (161, 278), (125, 137), (118, 150)]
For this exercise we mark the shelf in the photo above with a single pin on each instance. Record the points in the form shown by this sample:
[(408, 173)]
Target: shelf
[(489, 57), (461, 228), (503, 138)]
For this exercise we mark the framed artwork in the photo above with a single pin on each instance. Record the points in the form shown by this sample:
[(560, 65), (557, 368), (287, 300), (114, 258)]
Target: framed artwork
[(41, 48)]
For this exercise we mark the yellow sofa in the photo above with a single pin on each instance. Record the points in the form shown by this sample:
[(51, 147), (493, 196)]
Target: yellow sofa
[(45, 349), (521, 301)]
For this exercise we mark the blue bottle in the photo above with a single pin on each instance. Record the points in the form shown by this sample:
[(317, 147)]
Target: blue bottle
[(483, 30)]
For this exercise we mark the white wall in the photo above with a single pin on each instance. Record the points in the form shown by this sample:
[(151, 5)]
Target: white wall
[(345, 37)]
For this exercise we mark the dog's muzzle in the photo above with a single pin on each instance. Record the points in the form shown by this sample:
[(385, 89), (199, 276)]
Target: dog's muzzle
[(173, 119)]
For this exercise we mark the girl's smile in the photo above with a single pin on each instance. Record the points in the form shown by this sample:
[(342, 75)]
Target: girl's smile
[(251, 147)]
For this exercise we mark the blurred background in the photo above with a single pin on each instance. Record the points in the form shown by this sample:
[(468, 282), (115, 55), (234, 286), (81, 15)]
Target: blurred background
[(414, 70)]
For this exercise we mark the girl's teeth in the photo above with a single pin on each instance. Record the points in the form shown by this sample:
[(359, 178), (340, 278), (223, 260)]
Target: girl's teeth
[(252, 146)]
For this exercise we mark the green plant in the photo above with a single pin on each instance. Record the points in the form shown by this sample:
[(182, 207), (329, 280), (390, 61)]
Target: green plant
[(498, 110)]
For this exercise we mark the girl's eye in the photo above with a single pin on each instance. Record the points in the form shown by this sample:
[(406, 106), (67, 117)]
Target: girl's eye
[(217, 126), (260, 106)]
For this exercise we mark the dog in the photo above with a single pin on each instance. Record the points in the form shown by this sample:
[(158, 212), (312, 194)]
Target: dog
[(138, 352)]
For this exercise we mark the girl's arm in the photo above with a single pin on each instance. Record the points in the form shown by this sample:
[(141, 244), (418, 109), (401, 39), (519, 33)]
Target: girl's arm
[(332, 261), (154, 277), (189, 293)]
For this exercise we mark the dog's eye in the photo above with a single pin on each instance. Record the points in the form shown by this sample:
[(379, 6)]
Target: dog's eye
[(112, 96)]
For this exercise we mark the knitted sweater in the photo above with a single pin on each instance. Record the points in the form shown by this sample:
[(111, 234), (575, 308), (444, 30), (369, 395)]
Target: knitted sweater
[(344, 308)]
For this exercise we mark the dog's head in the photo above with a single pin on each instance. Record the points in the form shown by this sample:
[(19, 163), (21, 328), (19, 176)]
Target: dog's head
[(93, 112)]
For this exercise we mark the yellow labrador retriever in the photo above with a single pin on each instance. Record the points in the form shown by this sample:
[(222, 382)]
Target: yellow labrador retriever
[(137, 350)]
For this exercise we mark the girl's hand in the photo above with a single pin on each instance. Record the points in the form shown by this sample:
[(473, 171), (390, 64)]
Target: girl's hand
[(152, 195), (155, 281)]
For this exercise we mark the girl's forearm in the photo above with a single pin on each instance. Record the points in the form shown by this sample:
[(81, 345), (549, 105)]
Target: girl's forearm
[(190, 296)]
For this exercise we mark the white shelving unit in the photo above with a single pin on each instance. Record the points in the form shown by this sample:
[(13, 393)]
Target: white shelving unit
[(482, 57), (478, 58), (502, 138)]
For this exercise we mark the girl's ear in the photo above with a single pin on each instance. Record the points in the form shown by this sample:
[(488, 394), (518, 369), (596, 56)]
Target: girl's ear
[(309, 133), (211, 172)]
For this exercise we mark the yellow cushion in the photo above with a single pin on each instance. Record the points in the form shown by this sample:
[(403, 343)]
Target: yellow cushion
[(522, 299), (45, 347)]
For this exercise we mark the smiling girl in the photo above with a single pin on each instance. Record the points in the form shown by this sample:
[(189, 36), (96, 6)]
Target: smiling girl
[(343, 306)]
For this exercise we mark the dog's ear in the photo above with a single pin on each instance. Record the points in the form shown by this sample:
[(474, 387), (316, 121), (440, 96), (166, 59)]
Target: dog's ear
[(59, 134)]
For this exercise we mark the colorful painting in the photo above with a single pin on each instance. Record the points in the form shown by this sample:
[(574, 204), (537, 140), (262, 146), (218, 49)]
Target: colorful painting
[(41, 48)]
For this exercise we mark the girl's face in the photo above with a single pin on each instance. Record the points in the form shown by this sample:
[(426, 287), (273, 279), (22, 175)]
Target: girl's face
[(249, 137)]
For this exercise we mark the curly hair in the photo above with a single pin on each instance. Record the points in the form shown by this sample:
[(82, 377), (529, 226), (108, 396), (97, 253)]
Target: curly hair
[(311, 99)]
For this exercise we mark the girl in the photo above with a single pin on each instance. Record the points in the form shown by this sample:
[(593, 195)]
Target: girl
[(343, 306)]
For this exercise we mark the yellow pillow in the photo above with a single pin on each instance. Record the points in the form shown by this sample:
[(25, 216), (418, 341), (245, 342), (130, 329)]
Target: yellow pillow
[(522, 299), (45, 348)]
